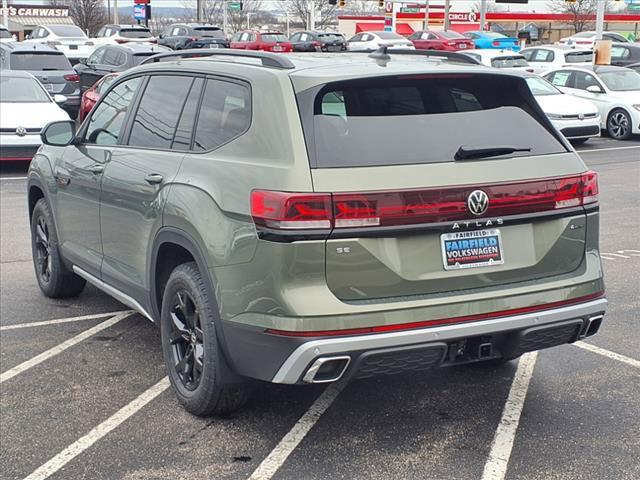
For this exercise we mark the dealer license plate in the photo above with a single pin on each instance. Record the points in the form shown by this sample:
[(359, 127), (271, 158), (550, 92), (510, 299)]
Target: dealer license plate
[(48, 87), (73, 47), (277, 48), (478, 248), (462, 46)]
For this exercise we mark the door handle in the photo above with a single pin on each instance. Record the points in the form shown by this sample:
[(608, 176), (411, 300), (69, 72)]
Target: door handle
[(97, 168), (153, 178)]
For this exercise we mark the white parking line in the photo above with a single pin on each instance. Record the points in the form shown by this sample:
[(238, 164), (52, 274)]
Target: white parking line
[(496, 466), (93, 316), (607, 353), (270, 465), (13, 178), (83, 443), (608, 149), (12, 372)]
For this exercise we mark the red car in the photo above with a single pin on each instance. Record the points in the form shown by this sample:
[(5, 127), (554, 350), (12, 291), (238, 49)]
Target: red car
[(267, 41), (432, 40), (93, 94)]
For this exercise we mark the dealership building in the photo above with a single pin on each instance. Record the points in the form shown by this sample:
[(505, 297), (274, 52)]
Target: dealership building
[(24, 18)]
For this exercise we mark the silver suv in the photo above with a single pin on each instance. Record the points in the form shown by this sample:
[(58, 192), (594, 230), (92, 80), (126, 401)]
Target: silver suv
[(299, 219)]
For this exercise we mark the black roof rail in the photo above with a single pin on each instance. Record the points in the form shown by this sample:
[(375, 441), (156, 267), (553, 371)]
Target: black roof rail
[(273, 60), (384, 54)]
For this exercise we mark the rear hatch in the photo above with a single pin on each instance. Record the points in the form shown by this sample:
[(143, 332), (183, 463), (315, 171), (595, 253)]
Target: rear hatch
[(134, 35), (440, 183), (52, 69)]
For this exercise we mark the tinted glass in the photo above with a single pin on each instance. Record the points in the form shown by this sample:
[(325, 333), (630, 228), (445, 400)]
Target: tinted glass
[(579, 57), (39, 61), (509, 62), (273, 37), (225, 114), (135, 33), (138, 58), (539, 86), (182, 138), (96, 57), (26, 90), (157, 117), (105, 84), (209, 32), (408, 120), (623, 80), (107, 118), (67, 31), (584, 80), (114, 57)]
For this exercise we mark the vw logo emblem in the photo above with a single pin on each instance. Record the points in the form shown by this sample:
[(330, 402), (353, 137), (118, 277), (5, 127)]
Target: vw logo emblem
[(581, 116), (21, 131), (478, 202)]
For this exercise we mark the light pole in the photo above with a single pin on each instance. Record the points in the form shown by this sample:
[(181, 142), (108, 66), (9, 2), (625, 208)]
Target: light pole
[(447, 21), (600, 19), (426, 15), (115, 12), (483, 13)]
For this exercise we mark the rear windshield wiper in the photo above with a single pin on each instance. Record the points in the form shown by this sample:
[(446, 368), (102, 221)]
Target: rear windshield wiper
[(471, 153), (50, 69)]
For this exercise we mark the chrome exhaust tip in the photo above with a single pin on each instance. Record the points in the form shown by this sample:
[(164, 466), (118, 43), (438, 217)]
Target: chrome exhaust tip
[(593, 325), (327, 369)]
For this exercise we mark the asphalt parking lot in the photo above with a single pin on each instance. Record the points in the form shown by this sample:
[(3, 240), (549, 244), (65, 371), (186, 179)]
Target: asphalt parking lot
[(83, 393)]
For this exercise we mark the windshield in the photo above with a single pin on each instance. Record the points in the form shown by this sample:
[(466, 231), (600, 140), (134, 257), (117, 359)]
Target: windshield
[(330, 37), (539, 86), (388, 35), (5, 33), (138, 58), (579, 57), (623, 80), (135, 33), (509, 62), (412, 119), (39, 61), (210, 32), (67, 31), (273, 37), (105, 83), (23, 90), (451, 34)]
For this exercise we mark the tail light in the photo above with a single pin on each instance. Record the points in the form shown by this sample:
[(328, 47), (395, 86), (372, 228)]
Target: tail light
[(121, 40), (153, 40), (317, 45), (495, 43), (324, 211), (72, 77)]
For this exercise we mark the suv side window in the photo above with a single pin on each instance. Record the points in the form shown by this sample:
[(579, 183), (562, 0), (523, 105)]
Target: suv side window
[(225, 114), (620, 53), (585, 80), (186, 125), (543, 56), (114, 57), (108, 116), (96, 57), (156, 119)]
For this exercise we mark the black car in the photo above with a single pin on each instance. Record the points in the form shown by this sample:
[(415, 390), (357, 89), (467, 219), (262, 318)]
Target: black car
[(50, 66), (192, 35), (113, 59), (623, 54), (318, 42)]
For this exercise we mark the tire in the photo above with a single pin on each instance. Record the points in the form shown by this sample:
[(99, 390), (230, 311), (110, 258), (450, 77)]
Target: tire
[(619, 124), (190, 346), (54, 278)]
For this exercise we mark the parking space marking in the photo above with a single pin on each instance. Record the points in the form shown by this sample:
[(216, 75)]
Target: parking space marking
[(496, 466), (606, 149), (12, 372), (83, 443), (270, 465), (57, 321), (608, 353), (13, 178)]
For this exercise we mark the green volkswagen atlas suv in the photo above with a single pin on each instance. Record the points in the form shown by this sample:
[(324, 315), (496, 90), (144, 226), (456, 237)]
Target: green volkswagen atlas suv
[(302, 219)]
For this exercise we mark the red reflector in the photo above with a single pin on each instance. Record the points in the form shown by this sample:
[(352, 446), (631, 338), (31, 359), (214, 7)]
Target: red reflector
[(121, 40), (433, 323), (72, 78)]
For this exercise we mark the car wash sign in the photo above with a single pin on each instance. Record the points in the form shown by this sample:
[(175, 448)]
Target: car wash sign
[(35, 11)]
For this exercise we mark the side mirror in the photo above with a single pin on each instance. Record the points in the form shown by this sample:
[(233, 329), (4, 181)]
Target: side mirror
[(594, 89), (83, 61), (161, 35), (59, 134), (59, 99)]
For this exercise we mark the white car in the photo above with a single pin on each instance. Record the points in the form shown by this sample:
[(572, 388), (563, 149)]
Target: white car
[(614, 90), (499, 59), (373, 40), (119, 34), (5, 35), (588, 38), (69, 39), (546, 57), (577, 119), (25, 108)]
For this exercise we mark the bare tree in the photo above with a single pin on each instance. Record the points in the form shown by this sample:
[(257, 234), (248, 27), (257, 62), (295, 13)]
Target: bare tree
[(89, 15), (362, 7), (301, 9), (212, 12), (581, 12)]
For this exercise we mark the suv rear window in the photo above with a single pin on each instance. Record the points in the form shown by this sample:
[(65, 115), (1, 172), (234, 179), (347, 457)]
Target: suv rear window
[(39, 61), (135, 33), (210, 32), (422, 119), (578, 57)]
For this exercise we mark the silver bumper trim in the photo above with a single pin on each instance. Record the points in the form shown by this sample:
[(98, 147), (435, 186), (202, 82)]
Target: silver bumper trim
[(295, 365)]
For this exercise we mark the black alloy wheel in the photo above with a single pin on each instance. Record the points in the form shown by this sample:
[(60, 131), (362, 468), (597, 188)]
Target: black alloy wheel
[(186, 340)]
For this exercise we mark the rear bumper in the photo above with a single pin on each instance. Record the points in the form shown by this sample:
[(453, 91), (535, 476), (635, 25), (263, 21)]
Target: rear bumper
[(288, 360)]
